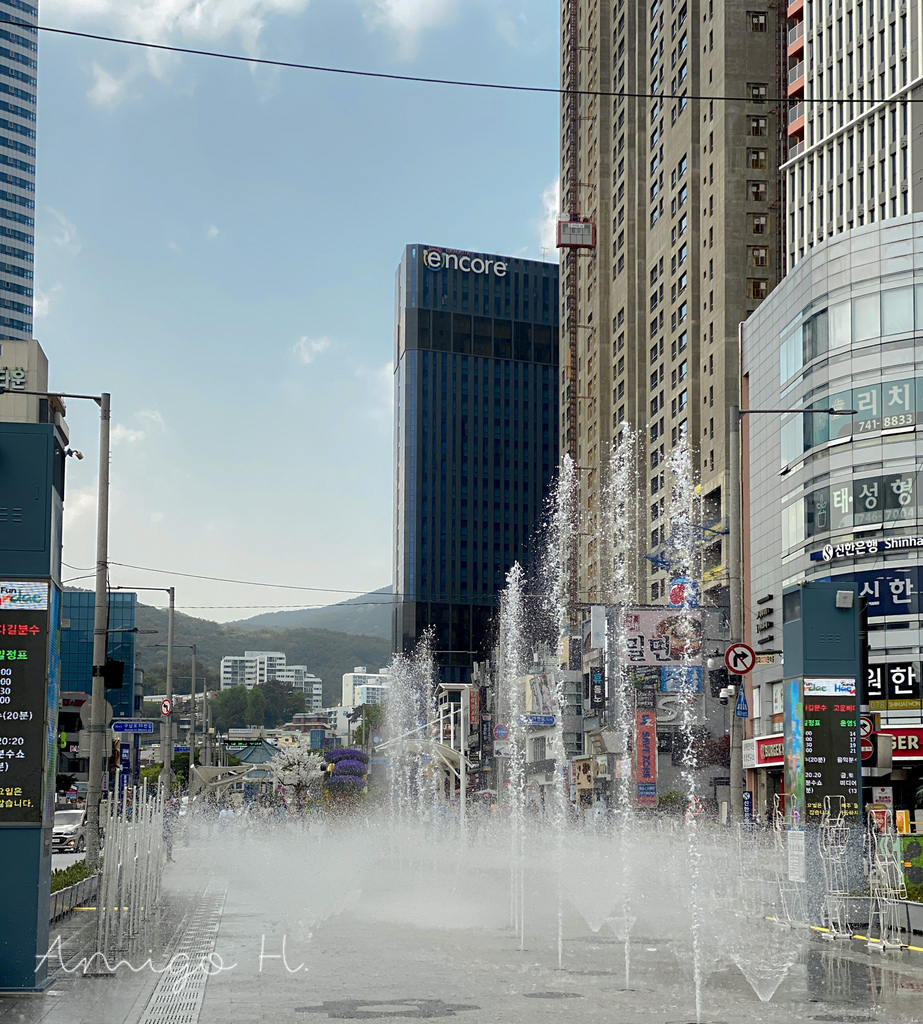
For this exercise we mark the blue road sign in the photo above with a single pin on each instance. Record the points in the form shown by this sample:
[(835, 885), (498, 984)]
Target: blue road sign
[(537, 720), (133, 726), (181, 750), (741, 710)]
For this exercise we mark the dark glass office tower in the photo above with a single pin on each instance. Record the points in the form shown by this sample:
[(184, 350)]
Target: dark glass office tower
[(476, 438)]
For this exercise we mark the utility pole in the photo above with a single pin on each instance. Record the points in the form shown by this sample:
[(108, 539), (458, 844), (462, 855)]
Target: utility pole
[(97, 726), (735, 599), (192, 716), (166, 721), (735, 570)]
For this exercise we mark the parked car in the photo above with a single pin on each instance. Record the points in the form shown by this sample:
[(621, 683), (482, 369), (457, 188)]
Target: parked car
[(68, 834)]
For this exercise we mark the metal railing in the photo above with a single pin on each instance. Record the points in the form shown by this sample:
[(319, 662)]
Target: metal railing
[(794, 112), (796, 72), (64, 900), (796, 33)]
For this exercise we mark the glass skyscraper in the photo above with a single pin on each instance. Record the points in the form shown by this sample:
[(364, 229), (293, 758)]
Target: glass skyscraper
[(18, 82), (476, 438), (77, 613)]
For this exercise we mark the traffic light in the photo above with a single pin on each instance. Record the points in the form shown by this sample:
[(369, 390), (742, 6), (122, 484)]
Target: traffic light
[(114, 674)]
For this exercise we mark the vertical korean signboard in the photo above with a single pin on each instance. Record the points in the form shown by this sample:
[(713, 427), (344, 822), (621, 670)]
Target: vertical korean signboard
[(646, 756), (28, 682)]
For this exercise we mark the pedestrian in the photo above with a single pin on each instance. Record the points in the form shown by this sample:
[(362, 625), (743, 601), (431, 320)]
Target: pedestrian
[(170, 819)]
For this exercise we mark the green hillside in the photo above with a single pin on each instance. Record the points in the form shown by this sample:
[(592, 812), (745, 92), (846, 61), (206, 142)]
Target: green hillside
[(327, 653)]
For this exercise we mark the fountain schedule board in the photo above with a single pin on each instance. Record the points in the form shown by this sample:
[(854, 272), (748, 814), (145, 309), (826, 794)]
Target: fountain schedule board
[(23, 675), (821, 748)]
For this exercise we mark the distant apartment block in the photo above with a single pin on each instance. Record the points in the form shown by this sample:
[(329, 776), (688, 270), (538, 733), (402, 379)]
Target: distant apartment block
[(254, 668), (363, 687)]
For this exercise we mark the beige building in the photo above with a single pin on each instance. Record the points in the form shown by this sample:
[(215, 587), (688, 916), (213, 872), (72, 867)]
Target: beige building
[(682, 187), (854, 121)]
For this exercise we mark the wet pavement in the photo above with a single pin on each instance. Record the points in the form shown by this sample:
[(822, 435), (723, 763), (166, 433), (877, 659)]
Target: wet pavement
[(309, 927)]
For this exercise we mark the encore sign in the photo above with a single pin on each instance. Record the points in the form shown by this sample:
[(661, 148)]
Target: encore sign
[(436, 259)]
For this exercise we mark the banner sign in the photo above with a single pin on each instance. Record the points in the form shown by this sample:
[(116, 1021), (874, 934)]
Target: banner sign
[(597, 688), (663, 636), (646, 757)]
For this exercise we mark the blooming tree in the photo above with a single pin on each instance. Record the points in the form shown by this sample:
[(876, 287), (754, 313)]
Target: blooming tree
[(300, 769)]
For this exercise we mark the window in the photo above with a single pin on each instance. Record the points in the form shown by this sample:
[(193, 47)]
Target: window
[(683, 369), (756, 191), (757, 21), (759, 256), (759, 224), (757, 288), (758, 125), (757, 159), (757, 91)]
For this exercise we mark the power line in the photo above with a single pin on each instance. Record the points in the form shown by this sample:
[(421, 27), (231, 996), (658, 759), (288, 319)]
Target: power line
[(461, 83)]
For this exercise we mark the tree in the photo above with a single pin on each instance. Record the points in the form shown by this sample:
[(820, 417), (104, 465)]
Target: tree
[(256, 706), (281, 703), (229, 708), (371, 719), (301, 769)]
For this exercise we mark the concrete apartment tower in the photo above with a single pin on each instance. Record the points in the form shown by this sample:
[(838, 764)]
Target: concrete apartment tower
[(682, 191), (18, 83), (854, 158)]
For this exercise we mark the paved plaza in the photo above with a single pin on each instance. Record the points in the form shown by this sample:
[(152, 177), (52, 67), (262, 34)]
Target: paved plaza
[(309, 926)]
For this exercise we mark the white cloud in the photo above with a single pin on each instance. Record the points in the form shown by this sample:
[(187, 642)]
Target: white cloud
[(107, 89), (411, 17), (161, 21), (66, 234), (79, 504), (211, 232), (43, 301), (152, 422), (121, 433), (548, 228), (308, 349)]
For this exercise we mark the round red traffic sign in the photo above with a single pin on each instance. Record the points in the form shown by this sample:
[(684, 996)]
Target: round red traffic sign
[(867, 748), (501, 732), (739, 659), (166, 706), (866, 725)]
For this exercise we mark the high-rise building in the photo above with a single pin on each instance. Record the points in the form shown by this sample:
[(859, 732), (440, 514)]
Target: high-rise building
[(78, 609), (854, 132), (680, 184), (476, 438), (18, 83)]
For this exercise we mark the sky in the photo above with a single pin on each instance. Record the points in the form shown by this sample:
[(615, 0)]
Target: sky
[(216, 244)]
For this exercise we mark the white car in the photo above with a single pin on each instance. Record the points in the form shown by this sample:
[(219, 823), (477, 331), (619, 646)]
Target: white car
[(68, 833)]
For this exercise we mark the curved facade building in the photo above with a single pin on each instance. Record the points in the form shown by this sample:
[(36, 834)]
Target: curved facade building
[(839, 497)]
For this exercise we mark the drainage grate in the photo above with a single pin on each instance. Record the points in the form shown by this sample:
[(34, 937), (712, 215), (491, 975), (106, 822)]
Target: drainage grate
[(369, 1009), (177, 999), (833, 1018), (552, 995)]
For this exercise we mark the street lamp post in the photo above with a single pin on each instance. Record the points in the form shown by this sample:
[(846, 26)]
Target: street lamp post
[(192, 713), (96, 727), (735, 561)]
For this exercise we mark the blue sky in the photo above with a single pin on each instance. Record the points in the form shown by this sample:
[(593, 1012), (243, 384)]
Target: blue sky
[(216, 246)]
